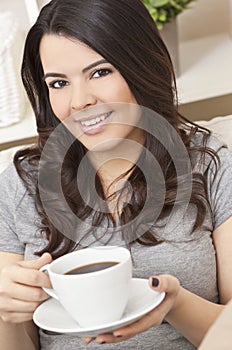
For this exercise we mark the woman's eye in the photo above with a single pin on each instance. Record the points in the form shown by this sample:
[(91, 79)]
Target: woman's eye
[(58, 84), (101, 73)]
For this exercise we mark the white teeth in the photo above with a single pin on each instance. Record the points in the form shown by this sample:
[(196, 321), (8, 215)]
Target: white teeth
[(95, 120)]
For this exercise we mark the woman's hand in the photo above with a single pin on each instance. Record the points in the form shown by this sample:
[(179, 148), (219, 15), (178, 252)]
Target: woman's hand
[(20, 289), (163, 283)]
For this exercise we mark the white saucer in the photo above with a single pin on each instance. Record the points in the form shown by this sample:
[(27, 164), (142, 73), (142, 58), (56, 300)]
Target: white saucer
[(51, 316)]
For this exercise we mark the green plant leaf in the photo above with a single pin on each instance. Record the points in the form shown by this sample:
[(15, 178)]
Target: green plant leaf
[(179, 7), (163, 11), (158, 3), (154, 14), (162, 16), (146, 2)]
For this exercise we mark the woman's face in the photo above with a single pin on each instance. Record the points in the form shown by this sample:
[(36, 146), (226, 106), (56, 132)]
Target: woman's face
[(88, 94)]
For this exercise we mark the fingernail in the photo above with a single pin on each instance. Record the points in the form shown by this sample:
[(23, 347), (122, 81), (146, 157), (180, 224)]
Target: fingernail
[(155, 282)]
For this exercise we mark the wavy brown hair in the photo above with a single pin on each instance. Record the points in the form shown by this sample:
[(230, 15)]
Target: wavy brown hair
[(124, 33)]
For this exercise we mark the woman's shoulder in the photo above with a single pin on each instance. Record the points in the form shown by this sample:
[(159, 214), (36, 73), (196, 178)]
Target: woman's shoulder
[(207, 140), (9, 173), (12, 184), (10, 181), (210, 153)]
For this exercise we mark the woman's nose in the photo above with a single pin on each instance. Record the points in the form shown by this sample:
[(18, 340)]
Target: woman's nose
[(82, 97)]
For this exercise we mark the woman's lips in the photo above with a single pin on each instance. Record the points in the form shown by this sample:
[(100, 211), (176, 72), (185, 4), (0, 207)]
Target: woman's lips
[(94, 124)]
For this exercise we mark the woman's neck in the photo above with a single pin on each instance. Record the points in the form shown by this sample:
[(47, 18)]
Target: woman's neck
[(114, 168), (112, 164)]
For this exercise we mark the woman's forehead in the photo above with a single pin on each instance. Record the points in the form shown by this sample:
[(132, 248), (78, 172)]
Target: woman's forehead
[(60, 50)]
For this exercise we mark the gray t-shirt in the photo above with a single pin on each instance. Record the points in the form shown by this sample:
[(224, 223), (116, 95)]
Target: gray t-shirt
[(189, 257)]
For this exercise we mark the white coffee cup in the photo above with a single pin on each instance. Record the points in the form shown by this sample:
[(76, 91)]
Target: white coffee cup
[(92, 298)]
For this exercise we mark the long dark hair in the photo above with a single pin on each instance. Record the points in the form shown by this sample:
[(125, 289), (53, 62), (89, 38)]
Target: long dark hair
[(124, 33)]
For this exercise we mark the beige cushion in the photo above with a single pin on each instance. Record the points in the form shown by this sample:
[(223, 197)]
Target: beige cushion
[(220, 126)]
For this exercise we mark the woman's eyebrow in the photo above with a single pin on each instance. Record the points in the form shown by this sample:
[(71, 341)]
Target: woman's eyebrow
[(94, 64), (60, 75), (54, 75)]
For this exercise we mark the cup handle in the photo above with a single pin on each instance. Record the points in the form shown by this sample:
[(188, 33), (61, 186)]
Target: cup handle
[(49, 291)]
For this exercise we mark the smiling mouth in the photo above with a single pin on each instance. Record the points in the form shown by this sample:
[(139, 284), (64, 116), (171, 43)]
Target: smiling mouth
[(96, 120)]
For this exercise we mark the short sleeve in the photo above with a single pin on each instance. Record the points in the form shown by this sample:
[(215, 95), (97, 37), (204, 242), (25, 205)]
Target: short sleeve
[(10, 188), (219, 182)]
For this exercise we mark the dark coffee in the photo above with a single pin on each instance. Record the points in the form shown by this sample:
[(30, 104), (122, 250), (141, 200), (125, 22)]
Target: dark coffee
[(91, 267)]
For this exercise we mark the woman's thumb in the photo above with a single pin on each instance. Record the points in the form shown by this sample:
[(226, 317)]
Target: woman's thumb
[(36, 264)]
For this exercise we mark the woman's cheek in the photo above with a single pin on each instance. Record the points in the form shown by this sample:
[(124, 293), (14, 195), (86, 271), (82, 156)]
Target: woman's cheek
[(59, 107)]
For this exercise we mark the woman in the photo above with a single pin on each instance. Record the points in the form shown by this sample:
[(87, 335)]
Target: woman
[(132, 170)]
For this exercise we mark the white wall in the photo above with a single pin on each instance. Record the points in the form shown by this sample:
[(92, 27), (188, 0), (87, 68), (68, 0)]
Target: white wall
[(206, 17)]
